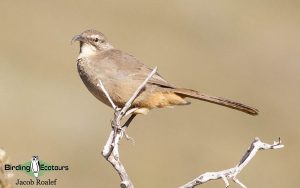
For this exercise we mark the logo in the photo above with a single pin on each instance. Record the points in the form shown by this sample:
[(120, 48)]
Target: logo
[(36, 168)]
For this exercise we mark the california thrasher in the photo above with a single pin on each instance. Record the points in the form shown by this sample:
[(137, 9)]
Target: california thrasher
[(121, 74)]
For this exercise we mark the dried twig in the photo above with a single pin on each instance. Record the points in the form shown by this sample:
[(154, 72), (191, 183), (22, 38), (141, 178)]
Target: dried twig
[(227, 174), (111, 149), (4, 176)]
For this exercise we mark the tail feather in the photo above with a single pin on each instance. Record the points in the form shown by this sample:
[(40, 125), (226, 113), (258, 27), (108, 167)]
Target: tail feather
[(216, 100)]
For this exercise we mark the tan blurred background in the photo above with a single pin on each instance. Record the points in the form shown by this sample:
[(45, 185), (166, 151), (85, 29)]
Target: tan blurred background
[(244, 50)]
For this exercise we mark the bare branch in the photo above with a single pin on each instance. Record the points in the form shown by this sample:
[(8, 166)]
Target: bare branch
[(111, 148), (227, 174), (4, 176)]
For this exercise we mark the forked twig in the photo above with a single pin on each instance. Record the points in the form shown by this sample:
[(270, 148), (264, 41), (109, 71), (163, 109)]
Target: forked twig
[(4, 175), (111, 148), (227, 174)]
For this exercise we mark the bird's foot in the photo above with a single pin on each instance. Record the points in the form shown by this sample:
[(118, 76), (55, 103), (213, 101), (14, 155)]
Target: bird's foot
[(123, 132), (128, 137)]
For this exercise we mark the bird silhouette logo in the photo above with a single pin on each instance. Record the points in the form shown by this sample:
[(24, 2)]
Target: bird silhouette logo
[(35, 166)]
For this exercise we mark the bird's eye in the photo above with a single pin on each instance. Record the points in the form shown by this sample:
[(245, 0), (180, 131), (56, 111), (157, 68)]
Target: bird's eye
[(96, 39)]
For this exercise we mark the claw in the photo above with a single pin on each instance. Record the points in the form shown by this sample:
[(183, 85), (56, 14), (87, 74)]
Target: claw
[(128, 137)]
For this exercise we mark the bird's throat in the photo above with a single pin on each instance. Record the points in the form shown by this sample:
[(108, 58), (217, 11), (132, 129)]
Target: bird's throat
[(86, 50)]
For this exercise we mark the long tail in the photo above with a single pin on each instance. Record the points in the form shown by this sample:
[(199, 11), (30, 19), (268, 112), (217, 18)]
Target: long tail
[(216, 100)]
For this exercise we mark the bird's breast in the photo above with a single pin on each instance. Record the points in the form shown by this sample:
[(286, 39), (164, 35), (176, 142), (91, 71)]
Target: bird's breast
[(91, 78)]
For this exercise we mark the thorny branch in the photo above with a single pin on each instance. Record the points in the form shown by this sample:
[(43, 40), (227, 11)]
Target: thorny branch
[(111, 148)]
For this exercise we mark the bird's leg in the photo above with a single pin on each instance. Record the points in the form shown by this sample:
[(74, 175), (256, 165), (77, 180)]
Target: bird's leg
[(126, 125), (122, 128), (129, 120), (130, 111)]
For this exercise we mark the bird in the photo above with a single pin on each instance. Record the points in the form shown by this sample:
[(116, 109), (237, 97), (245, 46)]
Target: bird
[(122, 73), (35, 166)]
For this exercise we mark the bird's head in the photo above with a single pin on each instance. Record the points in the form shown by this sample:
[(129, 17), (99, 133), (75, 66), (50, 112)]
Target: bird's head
[(91, 42), (35, 158)]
